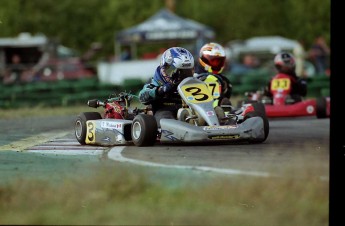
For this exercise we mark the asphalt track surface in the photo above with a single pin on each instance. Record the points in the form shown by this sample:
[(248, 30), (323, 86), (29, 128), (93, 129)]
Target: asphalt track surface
[(294, 144)]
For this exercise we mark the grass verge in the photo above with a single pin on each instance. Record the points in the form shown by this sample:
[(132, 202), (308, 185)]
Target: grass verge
[(117, 195)]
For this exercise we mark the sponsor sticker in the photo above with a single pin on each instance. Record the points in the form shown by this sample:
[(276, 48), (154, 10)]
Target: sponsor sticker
[(219, 127), (225, 137), (210, 113), (111, 125), (106, 139), (310, 109)]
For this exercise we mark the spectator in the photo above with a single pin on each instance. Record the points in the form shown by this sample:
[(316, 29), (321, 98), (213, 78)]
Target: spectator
[(126, 54), (249, 63), (319, 54), (16, 69)]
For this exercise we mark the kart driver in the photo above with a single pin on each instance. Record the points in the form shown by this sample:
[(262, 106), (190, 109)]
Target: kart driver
[(285, 64), (212, 61), (176, 64)]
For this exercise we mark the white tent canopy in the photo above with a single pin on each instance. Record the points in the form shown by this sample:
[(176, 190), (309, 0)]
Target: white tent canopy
[(164, 26)]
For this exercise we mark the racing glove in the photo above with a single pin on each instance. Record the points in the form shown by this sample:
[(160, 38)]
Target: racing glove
[(166, 88)]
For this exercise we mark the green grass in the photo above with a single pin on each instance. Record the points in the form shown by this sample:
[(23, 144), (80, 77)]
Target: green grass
[(127, 196)]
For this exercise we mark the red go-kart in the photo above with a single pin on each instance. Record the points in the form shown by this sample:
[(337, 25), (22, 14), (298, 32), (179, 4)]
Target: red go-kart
[(282, 104)]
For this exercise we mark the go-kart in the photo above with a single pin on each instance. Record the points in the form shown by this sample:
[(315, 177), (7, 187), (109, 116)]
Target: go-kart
[(197, 120), (282, 104)]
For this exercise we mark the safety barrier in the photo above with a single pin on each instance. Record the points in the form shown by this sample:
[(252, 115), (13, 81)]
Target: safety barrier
[(71, 92), (61, 93)]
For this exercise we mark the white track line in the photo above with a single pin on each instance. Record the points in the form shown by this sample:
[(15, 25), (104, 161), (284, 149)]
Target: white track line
[(63, 146), (115, 154), (68, 152)]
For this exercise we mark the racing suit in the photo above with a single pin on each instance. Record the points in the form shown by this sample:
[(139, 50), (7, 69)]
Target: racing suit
[(163, 98), (226, 90), (298, 87)]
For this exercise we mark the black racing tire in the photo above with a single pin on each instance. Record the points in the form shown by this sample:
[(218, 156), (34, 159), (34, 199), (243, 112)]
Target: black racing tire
[(80, 125), (259, 110), (144, 130), (321, 107)]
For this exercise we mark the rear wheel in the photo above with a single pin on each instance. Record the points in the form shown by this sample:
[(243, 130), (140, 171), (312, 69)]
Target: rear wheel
[(259, 110), (321, 107), (144, 130), (80, 124)]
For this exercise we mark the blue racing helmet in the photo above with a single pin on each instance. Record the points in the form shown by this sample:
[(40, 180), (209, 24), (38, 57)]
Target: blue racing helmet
[(176, 64)]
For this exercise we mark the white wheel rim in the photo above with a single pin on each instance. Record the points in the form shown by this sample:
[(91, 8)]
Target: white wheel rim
[(136, 130), (78, 129)]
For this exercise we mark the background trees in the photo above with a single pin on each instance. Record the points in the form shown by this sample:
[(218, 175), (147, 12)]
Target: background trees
[(78, 23)]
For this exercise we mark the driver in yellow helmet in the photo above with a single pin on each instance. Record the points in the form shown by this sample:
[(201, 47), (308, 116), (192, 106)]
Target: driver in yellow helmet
[(212, 62)]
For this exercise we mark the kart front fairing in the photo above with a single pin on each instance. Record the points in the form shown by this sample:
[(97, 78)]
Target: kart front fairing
[(108, 132), (196, 95), (303, 108), (174, 131)]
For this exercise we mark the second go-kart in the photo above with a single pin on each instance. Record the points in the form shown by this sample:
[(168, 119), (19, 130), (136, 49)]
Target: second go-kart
[(282, 104), (196, 121)]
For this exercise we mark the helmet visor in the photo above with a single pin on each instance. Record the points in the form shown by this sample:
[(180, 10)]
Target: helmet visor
[(168, 71), (181, 74), (216, 62)]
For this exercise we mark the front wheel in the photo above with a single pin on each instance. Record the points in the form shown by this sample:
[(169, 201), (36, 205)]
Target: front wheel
[(259, 110), (80, 124), (144, 130)]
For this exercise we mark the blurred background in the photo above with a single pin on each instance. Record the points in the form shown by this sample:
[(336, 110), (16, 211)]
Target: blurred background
[(65, 52)]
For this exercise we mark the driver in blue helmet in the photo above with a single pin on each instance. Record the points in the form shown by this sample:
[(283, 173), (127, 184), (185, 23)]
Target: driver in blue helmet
[(176, 64)]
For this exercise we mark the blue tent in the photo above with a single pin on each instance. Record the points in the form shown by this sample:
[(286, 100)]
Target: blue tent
[(164, 26)]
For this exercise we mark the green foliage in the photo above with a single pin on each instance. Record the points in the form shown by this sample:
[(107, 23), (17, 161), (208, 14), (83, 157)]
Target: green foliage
[(78, 23)]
